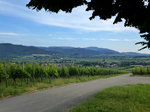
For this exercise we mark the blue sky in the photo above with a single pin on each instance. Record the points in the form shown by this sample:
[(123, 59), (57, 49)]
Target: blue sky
[(20, 25)]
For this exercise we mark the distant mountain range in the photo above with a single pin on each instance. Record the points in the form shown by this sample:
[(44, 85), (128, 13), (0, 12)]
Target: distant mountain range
[(10, 50), (72, 51)]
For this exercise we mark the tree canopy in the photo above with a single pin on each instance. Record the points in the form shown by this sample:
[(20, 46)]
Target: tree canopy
[(136, 13)]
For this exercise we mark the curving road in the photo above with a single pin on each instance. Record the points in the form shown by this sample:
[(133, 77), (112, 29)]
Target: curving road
[(59, 99)]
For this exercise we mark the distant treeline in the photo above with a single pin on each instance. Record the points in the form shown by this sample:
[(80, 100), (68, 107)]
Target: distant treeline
[(120, 63), (31, 72)]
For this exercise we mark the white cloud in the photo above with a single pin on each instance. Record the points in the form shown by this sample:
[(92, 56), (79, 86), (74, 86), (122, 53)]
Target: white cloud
[(95, 39), (9, 34), (125, 40), (65, 38), (78, 19), (90, 39)]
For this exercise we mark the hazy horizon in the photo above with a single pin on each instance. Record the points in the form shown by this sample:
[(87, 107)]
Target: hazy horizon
[(72, 47)]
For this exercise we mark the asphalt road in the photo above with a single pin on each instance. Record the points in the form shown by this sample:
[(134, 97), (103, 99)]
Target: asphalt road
[(58, 99)]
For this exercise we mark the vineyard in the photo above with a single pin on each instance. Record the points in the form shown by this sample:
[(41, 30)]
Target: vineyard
[(141, 71), (30, 72), (19, 78)]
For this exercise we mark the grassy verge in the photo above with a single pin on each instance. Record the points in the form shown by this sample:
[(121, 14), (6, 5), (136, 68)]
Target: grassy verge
[(133, 75), (129, 98), (32, 87)]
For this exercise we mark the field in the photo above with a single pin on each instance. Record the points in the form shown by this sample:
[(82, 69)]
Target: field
[(20, 78), (129, 98), (124, 62)]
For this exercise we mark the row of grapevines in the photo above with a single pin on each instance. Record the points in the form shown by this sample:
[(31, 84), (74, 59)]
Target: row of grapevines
[(30, 72), (141, 71)]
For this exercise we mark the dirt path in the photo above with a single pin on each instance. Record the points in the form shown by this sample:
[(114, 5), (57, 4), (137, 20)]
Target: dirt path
[(59, 99)]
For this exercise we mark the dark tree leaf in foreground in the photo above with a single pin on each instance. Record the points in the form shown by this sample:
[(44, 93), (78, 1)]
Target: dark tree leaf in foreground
[(136, 13)]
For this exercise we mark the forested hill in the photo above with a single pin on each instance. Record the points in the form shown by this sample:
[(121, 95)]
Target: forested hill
[(9, 50), (89, 51)]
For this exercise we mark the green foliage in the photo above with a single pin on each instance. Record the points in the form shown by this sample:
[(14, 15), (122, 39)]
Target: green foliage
[(148, 70), (86, 71), (64, 72), (129, 98), (73, 71), (39, 71), (52, 71), (16, 73), (29, 70), (3, 75), (141, 71)]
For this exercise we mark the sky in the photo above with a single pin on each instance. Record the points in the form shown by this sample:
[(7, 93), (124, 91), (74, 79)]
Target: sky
[(21, 25)]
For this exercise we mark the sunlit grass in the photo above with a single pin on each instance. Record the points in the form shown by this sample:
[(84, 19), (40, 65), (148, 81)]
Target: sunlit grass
[(129, 98)]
